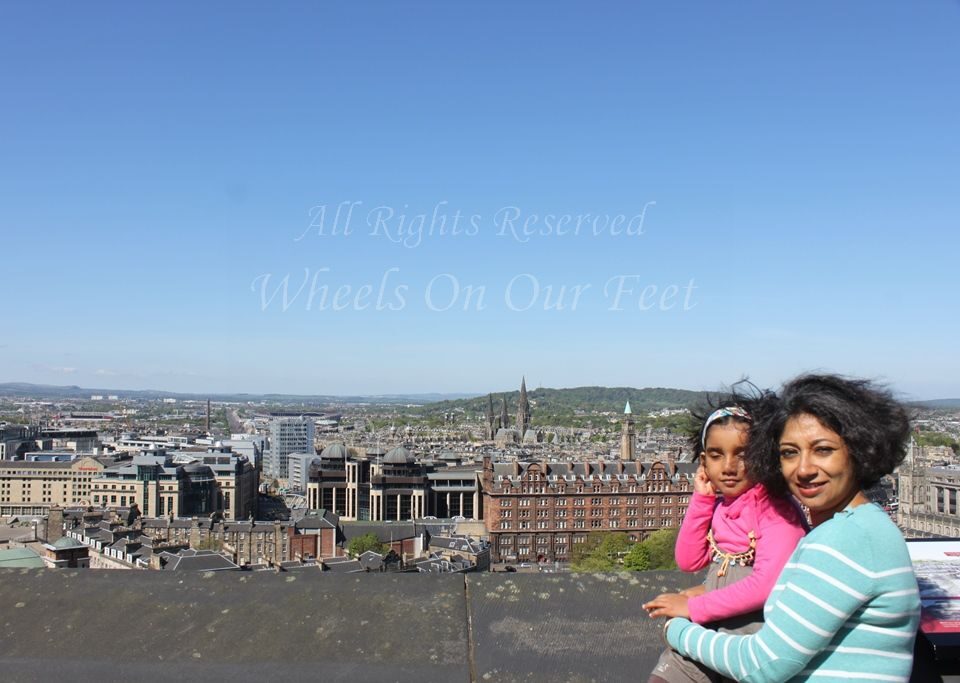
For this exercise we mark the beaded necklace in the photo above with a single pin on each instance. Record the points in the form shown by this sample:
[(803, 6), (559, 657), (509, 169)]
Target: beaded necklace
[(743, 559)]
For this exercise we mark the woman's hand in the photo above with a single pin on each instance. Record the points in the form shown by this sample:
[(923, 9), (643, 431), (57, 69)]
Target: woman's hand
[(668, 605), (701, 483)]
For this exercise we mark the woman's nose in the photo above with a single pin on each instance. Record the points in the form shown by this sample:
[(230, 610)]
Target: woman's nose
[(806, 467)]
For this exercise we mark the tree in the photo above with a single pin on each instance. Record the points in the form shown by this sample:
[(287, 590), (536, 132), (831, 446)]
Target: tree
[(581, 551), (638, 559), (358, 545), (661, 545), (614, 546)]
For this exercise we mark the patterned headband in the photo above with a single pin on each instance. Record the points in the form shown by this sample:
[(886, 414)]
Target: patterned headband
[(719, 413)]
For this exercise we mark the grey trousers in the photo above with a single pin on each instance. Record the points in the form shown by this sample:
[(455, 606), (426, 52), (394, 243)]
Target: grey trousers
[(674, 668)]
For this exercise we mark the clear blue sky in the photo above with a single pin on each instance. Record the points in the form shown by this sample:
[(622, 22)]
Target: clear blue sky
[(163, 165)]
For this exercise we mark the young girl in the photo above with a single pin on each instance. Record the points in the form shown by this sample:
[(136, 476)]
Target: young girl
[(735, 527)]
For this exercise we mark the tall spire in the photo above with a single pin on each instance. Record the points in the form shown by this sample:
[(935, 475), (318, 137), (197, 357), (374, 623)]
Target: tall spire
[(523, 409), (504, 417), (627, 435), (490, 431)]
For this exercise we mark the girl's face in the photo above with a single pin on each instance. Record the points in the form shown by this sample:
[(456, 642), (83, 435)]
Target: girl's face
[(722, 458)]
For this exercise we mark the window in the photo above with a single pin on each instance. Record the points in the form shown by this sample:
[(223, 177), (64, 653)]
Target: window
[(596, 523), (595, 501), (505, 503), (578, 501), (544, 501)]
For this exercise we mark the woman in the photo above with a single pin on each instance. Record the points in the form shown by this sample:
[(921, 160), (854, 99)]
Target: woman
[(846, 606)]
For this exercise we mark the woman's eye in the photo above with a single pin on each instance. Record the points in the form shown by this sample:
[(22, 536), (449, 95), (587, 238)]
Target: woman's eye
[(787, 453), (825, 450)]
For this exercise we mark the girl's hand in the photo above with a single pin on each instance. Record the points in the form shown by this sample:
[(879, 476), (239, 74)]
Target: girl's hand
[(701, 483), (668, 605), (694, 591)]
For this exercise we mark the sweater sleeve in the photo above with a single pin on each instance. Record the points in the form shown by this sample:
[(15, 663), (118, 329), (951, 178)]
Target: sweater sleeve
[(777, 538), (822, 586), (692, 550)]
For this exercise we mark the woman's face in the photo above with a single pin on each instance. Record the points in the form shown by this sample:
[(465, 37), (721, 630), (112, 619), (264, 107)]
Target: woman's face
[(817, 467)]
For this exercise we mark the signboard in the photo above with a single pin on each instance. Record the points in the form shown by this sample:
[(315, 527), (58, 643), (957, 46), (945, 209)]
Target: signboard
[(937, 567)]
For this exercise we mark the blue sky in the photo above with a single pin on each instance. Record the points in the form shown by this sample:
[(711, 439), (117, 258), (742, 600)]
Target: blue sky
[(791, 171)]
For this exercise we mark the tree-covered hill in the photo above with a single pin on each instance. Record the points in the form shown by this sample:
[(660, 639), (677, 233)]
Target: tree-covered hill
[(575, 400)]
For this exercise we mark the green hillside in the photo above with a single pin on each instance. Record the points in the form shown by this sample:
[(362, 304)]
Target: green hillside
[(562, 402)]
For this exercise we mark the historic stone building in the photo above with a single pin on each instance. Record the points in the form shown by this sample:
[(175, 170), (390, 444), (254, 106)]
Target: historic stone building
[(928, 490), (537, 511)]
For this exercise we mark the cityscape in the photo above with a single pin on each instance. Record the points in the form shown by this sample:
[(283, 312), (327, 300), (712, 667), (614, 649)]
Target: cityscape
[(376, 341), (482, 484)]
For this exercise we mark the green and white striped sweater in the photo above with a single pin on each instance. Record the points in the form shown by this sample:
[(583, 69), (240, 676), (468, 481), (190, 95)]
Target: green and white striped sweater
[(845, 608)]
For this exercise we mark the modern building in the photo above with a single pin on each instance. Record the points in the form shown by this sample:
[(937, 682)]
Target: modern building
[(33, 487), (392, 486), (287, 435), (180, 484), (298, 465), (398, 487)]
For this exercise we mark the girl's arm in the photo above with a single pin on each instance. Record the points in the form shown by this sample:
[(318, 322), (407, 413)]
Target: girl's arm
[(776, 540), (693, 551)]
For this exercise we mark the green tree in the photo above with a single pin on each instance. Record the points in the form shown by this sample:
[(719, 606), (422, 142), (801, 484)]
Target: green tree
[(581, 551), (358, 545), (614, 546), (638, 559), (937, 439), (661, 545), (602, 552)]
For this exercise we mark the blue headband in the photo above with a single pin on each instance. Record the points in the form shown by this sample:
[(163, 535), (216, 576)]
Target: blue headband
[(719, 413)]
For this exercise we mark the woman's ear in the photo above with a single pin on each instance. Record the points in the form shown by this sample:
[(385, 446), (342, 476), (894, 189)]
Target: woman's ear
[(701, 457)]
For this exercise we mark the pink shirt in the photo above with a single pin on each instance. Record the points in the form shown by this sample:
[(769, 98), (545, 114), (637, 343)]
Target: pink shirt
[(775, 522)]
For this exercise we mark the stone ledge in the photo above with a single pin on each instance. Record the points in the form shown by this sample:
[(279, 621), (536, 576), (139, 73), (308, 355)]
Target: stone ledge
[(110, 625)]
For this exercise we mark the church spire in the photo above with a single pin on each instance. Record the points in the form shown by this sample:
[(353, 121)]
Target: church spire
[(523, 409), (490, 429)]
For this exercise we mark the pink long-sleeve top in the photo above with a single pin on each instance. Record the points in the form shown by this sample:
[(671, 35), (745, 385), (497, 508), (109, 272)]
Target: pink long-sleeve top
[(778, 527)]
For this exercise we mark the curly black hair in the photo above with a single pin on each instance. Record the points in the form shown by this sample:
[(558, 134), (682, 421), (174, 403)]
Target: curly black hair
[(742, 394), (873, 424)]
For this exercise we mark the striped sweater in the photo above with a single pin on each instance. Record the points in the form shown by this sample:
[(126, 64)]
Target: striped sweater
[(845, 608)]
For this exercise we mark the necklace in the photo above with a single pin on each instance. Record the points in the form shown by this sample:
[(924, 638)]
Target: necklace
[(743, 559)]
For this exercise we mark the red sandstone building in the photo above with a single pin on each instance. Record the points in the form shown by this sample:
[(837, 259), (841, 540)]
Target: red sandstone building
[(537, 511)]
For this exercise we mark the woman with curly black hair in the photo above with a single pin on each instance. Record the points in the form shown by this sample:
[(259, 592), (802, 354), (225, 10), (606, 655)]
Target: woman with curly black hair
[(846, 606)]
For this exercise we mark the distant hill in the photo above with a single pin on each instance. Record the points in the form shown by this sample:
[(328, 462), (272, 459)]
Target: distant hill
[(939, 403), (46, 391), (568, 401)]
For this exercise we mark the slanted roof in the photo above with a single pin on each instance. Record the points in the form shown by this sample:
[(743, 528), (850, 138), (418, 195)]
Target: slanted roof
[(20, 558)]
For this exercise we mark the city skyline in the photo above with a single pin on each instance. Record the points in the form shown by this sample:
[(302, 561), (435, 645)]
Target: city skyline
[(402, 199)]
